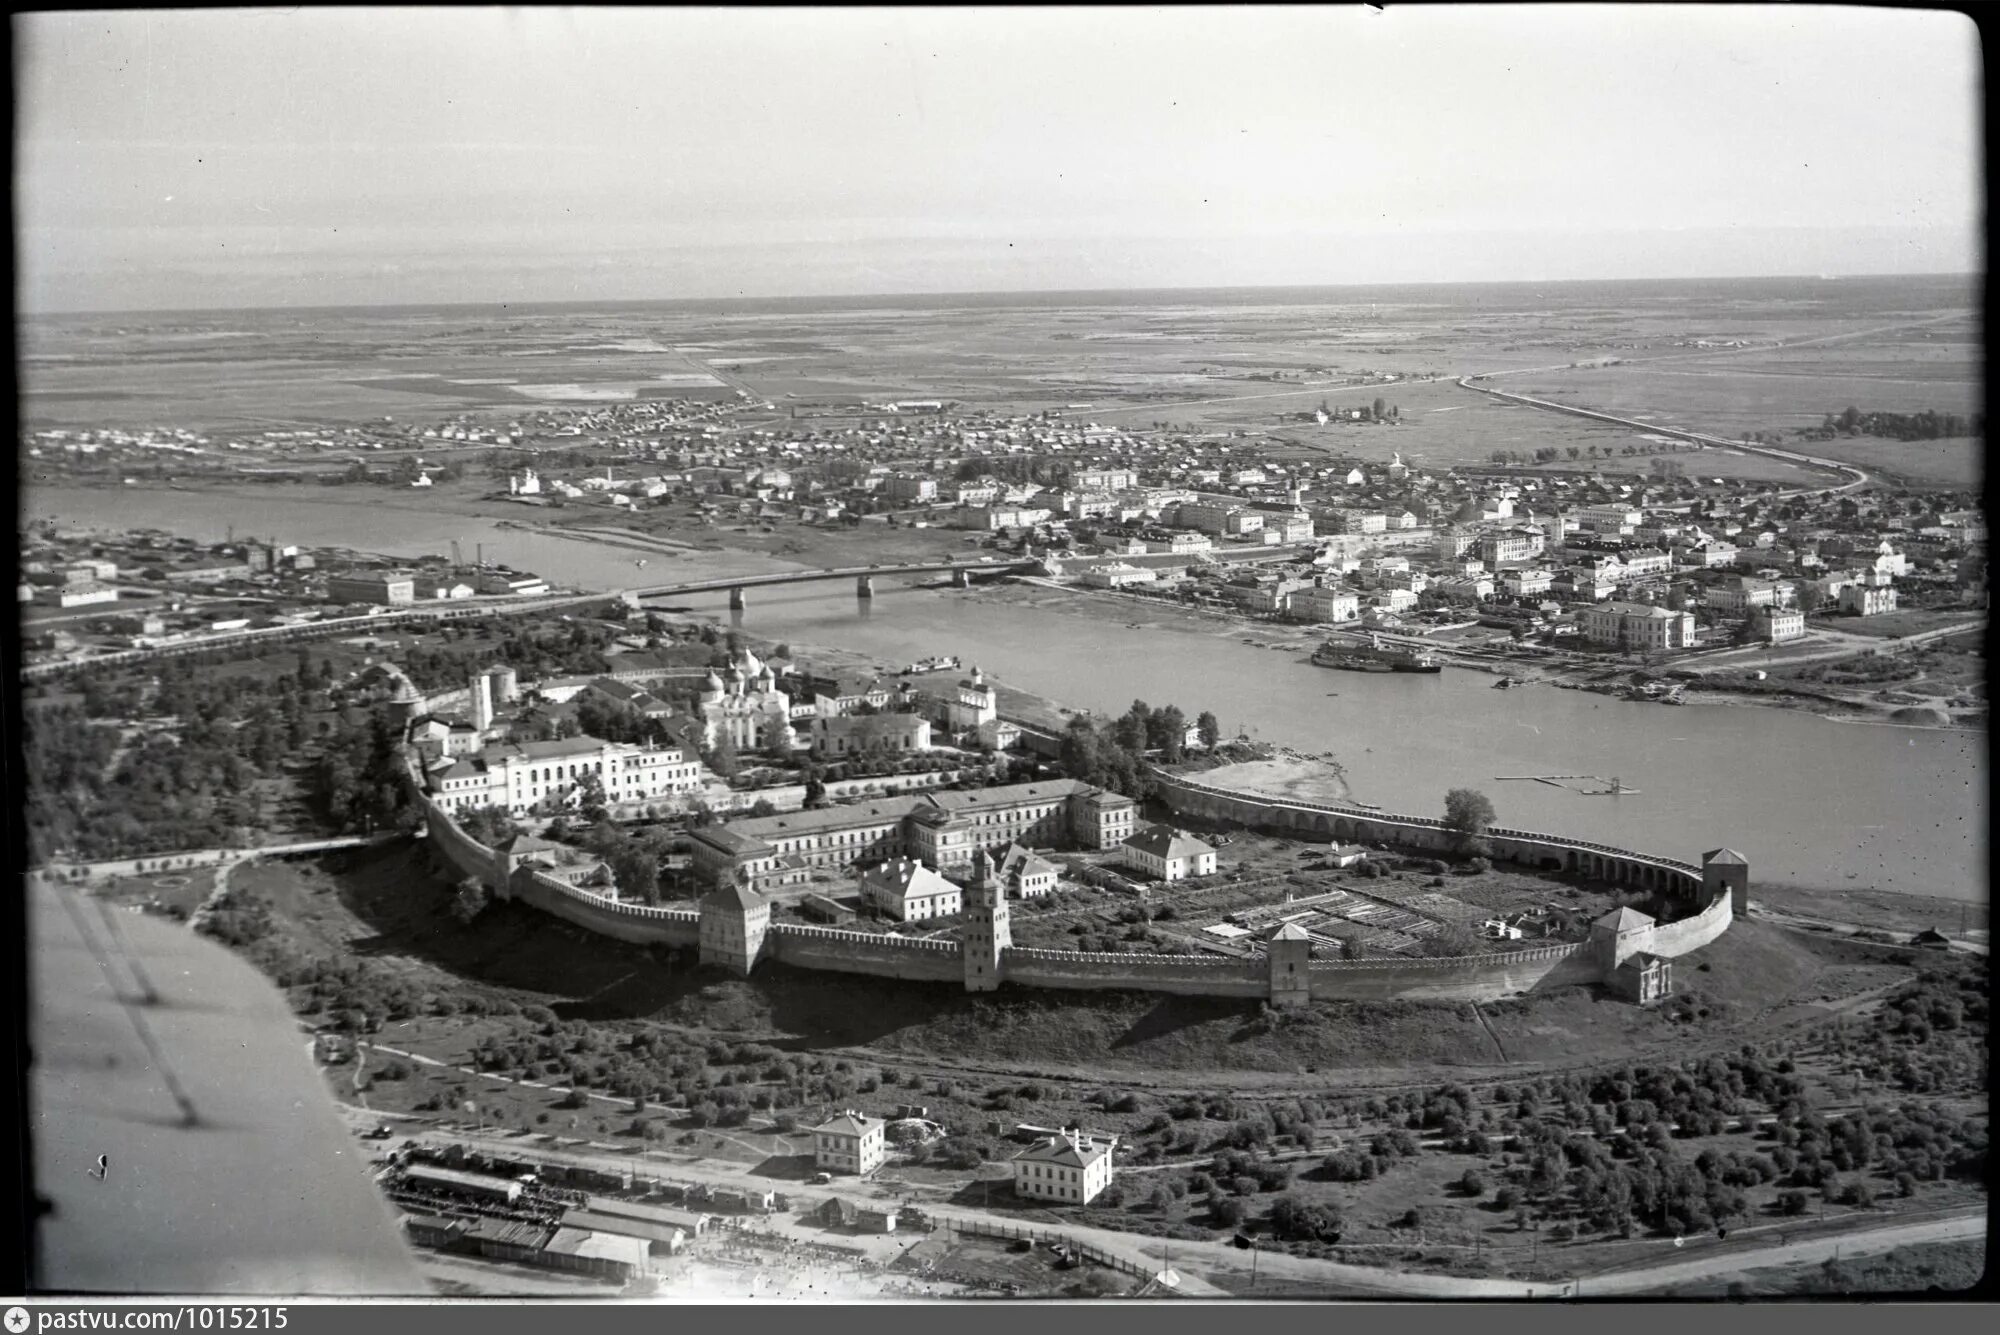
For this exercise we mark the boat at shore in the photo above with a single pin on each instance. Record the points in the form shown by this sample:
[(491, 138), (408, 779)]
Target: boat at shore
[(923, 665), (1375, 656)]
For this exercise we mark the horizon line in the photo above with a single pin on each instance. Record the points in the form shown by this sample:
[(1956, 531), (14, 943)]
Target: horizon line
[(1978, 275)]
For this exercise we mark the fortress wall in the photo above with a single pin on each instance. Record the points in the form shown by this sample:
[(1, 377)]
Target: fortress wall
[(1468, 978), (1187, 975), (448, 702), (1326, 821), (1690, 934), (465, 855), (1484, 977), (633, 923), (859, 952)]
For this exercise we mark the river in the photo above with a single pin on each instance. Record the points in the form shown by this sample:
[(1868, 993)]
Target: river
[(1809, 801)]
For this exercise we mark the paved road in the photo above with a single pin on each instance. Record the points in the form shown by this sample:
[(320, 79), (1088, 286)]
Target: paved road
[(1655, 1279)]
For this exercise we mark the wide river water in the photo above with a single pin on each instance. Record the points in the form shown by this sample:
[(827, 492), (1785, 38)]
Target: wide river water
[(1809, 801)]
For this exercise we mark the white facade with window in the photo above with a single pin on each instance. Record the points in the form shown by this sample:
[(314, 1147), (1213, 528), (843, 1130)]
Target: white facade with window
[(1067, 1169), (850, 1143)]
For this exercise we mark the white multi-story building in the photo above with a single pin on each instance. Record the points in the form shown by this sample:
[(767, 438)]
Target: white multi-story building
[(1638, 626), (1167, 853), (1780, 624), (1527, 583), (850, 1143), (523, 776), (908, 891), (1068, 1168), (1321, 605), (1869, 596)]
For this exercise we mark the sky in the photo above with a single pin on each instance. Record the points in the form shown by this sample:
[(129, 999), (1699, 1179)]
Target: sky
[(273, 157)]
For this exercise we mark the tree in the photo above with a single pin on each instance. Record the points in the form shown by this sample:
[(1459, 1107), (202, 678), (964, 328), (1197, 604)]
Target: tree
[(1209, 728), (1468, 815), (1295, 1219), (1472, 1184), (1226, 1211), (469, 899), (723, 758)]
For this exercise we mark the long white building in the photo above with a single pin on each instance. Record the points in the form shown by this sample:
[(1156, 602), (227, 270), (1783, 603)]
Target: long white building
[(523, 776)]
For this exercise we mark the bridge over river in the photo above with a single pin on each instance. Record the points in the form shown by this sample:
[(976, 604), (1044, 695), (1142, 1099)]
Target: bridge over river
[(864, 578)]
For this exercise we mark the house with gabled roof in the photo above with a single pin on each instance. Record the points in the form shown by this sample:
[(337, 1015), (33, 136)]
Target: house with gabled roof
[(850, 1142), (1167, 853), (1068, 1168), (1025, 875)]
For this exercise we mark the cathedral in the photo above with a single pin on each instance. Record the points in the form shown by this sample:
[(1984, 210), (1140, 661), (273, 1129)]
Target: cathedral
[(744, 704)]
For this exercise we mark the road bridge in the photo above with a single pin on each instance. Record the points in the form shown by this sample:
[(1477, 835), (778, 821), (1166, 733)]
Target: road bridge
[(864, 578)]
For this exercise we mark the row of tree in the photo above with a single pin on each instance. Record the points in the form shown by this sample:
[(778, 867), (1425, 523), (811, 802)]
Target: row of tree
[(1113, 754)]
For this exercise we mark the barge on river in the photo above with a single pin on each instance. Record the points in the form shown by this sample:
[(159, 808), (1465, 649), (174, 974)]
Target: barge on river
[(1375, 656)]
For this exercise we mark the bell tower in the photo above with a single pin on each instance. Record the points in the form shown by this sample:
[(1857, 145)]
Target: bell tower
[(988, 929)]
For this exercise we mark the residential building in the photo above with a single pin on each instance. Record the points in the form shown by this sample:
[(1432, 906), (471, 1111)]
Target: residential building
[(1183, 544), (1741, 594), (1527, 582), (1508, 547), (1105, 479), (1066, 1168), (1869, 596), (1025, 875), (1778, 625), (1638, 626), (1167, 854), (1641, 562), (908, 891), (912, 488), (1323, 605), (850, 1143)]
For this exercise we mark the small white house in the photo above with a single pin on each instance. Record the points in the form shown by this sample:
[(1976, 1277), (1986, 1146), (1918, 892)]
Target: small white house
[(1168, 854)]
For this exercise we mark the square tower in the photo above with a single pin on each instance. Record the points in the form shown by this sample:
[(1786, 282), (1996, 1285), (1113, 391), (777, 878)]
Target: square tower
[(1288, 952), (1724, 870), (988, 929)]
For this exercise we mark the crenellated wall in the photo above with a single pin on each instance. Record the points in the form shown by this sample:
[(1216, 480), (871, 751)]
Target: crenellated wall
[(636, 924), (1468, 978), (1484, 977), (863, 952), (1621, 866), (1188, 975)]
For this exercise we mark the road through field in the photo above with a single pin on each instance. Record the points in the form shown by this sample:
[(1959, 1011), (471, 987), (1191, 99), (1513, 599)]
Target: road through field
[(1654, 1279)]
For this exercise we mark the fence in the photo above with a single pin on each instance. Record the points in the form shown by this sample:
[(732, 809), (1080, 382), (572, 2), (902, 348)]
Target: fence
[(1083, 1250)]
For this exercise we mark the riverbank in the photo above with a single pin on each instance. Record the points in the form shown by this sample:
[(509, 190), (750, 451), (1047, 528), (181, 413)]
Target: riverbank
[(1140, 612)]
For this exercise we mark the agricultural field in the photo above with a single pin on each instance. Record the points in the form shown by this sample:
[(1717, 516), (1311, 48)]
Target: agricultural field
[(1193, 358)]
